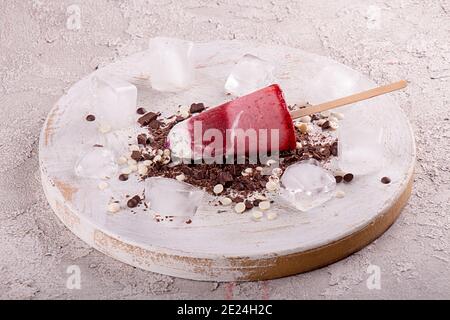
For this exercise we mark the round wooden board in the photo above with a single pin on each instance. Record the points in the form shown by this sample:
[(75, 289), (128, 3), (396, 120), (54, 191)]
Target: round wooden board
[(226, 246)]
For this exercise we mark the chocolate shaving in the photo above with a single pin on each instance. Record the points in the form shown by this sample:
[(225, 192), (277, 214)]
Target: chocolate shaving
[(147, 118), (197, 107)]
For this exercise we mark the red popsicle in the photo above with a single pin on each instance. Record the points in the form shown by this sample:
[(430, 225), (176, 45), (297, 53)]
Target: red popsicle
[(255, 123)]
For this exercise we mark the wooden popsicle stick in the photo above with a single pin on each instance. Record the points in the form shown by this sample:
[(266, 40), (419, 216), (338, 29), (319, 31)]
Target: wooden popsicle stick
[(349, 99)]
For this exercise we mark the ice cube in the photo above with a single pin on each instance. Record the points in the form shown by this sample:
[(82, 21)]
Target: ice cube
[(360, 148), (97, 163), (113, 101), (171, 67), (170, 197), (249, 74), (306, 185)]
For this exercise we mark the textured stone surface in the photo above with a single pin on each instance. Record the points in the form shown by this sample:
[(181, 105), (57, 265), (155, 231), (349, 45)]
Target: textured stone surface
[(42, 54)]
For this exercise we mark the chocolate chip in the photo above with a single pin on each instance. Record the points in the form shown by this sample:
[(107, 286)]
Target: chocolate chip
[(197, 107), (386, 180), (141, 111), (334, 149), (123, 177), (136, 155), (133, 202), (98, 145), (248, 205), (338, 179), (90, 117), (147, 118), (189, 221), (348, 177), (142, 139), (225, 178), (326, 125), (155, 124), (256, 202)]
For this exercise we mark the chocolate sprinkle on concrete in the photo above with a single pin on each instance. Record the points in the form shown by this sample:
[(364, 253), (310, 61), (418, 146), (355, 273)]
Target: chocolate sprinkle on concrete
[(348, 177), (386, 180), (90, 117)]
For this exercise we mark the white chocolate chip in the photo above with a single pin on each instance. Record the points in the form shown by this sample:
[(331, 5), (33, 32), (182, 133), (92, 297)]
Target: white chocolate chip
[(131, 162), (147, 162), (104, 128), (180, 177), (133, 167), (126, 170), (305, 119), (274, 179), (134, 147), (271, 186), (334, 125), (157, 158), (160, 152), (339, 173), (332, 119), (321, 122), (303, 127), (340, 194), (184, 111), (248, 170), (259, 196), (270, 162), (102, 185), (218, 188), (244, 174), (166, 160), (166, 152), (272, 216), (121, 160), (113, 207), (142, 169), (257, 215), (259, 168), (225, 201), (298, 145), (325, 113), (338, 115), (277, 171), (264, 205), (239, 207)]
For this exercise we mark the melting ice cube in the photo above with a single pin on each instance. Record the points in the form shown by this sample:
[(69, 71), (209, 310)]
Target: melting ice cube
[(249, 74), (114, 101), (306, 185), (171, 66), (169, 197), (97, 163), (360, 149)]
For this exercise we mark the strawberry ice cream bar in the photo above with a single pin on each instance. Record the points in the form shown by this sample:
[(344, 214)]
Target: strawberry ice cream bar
[(255, 123)]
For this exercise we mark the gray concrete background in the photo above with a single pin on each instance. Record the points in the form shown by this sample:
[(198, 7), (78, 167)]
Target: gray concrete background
[(40, 58)]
